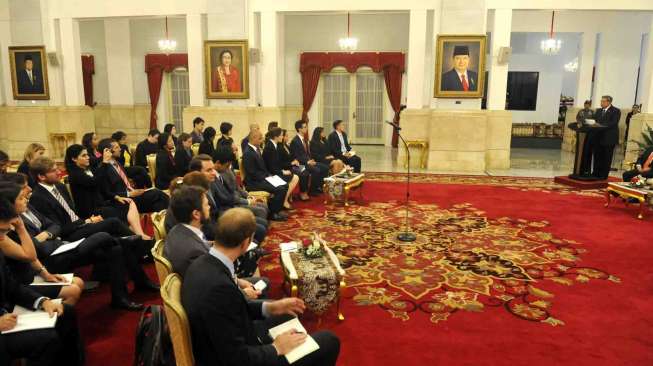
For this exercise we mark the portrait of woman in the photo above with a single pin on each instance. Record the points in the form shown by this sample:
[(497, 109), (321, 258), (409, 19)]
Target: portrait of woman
[(226, 69)]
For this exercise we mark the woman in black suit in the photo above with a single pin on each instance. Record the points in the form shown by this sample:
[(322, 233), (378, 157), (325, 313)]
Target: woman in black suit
[(274, 164), (319, 147), (171, 130), (33, 151), (166, 168), (90, 141), (184, 153), (207, 146), (226, 129), (290, 163), (125, 154), (85, 189)]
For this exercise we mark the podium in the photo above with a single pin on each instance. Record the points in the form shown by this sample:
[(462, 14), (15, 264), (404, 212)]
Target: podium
[(586, 136)]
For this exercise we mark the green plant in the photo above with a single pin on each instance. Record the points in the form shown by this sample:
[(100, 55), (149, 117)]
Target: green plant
[(648, 139)]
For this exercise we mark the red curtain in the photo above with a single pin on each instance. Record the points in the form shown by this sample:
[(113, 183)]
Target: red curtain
[(155, 65), (88, 69), (311, 64)]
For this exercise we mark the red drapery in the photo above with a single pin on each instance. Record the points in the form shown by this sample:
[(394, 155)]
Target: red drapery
[(155, 65), (392, 64), (88, 69)]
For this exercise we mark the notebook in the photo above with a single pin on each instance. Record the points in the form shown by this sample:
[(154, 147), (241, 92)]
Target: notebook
[(275, 180), (308, 347), (67, 247), (39, 281)]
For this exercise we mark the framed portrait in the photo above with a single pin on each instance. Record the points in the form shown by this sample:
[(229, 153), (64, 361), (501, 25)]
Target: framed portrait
[(29, 72), (460, 66), (226, 66)]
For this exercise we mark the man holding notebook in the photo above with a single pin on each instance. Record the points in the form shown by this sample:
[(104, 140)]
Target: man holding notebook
[(226, 328)]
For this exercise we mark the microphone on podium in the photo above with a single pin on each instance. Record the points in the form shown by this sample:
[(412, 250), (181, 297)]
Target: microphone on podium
[(394, 125)]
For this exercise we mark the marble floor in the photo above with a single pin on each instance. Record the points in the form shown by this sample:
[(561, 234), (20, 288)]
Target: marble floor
[(524, 162)]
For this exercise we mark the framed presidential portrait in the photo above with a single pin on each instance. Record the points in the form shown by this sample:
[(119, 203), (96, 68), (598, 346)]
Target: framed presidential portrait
[(226, 66), (460, 66), (29, 72)]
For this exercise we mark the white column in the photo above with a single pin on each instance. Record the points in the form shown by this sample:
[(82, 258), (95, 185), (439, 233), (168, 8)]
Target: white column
[(647, 80), (195, 59), (119, 61), (72, 62), (270, 67), (498, 80), (416, 58), (52, 42), (585, 68), (6, 96)]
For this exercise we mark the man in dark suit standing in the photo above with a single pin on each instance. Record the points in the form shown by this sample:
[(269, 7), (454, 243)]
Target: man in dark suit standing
[(460, 78), (30, 80), (339, 146), (256, 172), (222, 320), (300, 151), (607, 116)]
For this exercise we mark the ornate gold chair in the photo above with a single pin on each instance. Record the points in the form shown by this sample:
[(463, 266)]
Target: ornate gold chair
[(161, 263), (195, 148), (151, 166), (177, 320), (158, 221)]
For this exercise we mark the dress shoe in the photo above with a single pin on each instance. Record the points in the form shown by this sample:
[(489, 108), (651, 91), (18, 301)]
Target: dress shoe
[(131, 238), (278, 217), (148, 286), (126, 304)]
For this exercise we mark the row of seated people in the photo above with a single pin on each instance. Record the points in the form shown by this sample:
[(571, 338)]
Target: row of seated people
[(229, 319)]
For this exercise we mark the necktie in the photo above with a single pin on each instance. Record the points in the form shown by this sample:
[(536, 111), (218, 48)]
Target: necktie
[(464, 81), (648, 162), (31, 78), (64, 204), (122, 175), (35, 220), (258, 150)]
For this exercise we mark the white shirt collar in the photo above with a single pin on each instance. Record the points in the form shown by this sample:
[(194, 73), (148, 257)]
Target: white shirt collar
[(223, 258), (195, 230), (50, 188), (253, 147), (462, 73), (274, 143)]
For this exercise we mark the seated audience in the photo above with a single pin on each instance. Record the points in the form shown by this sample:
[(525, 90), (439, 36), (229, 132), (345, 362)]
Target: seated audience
[(33, 151), (4, 162), (125, 154), (208, 146), (147, 147), (271, 125), (115, 183), (60, 345), (171, 130), (137, 173), (87, 196), (319, 147), (166, 167), (290, 163), (254, 127), (193, 179), (226, 129), (90, 141), (340, 148), (198, 127), (222, 324), (300, 151), (255, 174), (644, 166), (183, 153), (274, 165), (257, 205)]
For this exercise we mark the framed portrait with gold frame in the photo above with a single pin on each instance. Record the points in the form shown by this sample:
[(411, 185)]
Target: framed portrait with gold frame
[(29, 72), (226, 69), (460, 66)]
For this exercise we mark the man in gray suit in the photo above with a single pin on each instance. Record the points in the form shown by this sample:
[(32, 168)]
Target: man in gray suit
[(186, 242)]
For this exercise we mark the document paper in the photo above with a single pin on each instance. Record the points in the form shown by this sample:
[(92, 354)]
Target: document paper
[(309, 346)]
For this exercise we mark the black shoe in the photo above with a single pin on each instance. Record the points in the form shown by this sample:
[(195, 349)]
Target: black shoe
[(126, 304), (278, 217), (131, 238), (148, 286)]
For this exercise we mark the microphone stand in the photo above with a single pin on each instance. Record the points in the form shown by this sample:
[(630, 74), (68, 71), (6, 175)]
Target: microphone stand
[(406, 235)]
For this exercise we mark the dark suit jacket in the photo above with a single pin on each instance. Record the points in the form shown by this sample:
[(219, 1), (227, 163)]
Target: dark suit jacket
[(86, 192), (335, 146), (12, 292), (25, 86), (166, 169), (319, 151), (110, 183), (143, 149), (43, 248), (271, 158), (46, 204), (609, 119), (254, 165), (298, 151), (24, 168), (225, 141), (206, 147), (451, 81), (182, 248), (221, 319), (182, 160), (223, 195)]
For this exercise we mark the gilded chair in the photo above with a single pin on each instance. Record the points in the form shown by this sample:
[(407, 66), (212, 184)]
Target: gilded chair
[(195, 148), (177, 320), (151, 166), (158, 221), (161, 263)]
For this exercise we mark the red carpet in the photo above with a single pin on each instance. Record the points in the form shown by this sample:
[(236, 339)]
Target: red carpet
[(585, 184), (506, 271)]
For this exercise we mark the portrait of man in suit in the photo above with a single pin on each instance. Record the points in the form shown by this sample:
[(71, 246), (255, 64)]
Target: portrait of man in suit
[(460, 64), (29, 72)]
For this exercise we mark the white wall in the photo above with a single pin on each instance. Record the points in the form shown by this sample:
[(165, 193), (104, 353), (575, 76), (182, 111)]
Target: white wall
[(145, 34), (25, 22), (91, 37)]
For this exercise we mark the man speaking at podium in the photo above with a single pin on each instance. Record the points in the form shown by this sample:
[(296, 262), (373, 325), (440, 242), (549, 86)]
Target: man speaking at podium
[(608, 117)]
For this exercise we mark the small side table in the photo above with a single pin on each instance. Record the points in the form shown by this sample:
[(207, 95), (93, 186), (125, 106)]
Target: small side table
[(423, 146), (338, 186), (624, 190)]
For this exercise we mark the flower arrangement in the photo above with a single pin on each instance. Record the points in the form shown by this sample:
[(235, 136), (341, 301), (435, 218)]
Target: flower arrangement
[(315, 248), (638, 182)]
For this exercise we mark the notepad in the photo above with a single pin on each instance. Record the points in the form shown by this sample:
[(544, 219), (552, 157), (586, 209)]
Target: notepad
[(19, 310), (260, 285), (31, 320), (590, 121), (67, 247), (275, 180), (288, 247), (39, 281), (308, 347)]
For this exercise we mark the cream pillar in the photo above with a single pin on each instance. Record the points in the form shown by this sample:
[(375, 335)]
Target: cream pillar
[(50, 31), (72, 62), (647, 80), (6, 96), (585, 68), (195, 59), (498, 80), (416, 59), (271, 90), (119, 61)]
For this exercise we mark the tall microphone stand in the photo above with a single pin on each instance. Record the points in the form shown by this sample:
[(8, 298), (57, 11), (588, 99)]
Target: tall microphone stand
[(406, 235)]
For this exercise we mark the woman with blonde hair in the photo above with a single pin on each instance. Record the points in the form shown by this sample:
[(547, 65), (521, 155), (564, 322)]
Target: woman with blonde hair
[(33, 151)]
